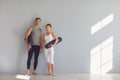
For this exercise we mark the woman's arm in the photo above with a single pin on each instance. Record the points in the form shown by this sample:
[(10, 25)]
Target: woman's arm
[(55, 37), (44, 42)]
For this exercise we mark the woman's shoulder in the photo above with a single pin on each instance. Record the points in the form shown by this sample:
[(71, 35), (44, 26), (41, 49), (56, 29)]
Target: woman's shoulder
[(52, 33), (45, 34)]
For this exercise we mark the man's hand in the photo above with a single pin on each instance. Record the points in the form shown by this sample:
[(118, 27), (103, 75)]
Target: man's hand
[(41, 49), (29, 47)]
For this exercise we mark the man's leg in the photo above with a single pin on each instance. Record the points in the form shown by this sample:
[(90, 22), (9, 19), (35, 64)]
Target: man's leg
[(30, 54), (36, 49)]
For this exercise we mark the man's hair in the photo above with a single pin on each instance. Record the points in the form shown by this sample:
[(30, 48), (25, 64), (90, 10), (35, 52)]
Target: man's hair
[(37, 18)]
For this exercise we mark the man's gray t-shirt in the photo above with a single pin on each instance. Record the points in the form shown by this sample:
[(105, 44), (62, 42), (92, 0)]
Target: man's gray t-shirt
[(36, 36)]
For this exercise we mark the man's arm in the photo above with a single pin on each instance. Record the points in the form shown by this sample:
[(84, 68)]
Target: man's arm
[(27, 34), (41, 39)]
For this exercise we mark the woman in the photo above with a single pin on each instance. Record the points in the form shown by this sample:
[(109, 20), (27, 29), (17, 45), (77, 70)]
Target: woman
[(49, 53)]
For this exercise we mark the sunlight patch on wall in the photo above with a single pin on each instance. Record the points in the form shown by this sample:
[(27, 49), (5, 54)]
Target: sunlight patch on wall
[(102, 23), (102, 57)]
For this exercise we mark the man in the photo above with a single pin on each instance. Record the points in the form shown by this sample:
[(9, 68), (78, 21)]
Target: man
[(35, 46)]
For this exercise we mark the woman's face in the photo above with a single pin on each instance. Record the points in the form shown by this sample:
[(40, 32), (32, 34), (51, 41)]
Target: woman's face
[(48, 28)]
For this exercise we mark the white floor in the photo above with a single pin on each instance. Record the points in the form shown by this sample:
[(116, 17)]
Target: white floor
[(64, 77)]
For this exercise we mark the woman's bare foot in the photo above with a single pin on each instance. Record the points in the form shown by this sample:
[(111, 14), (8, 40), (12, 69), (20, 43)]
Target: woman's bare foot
[(53, 74), (48, 74)]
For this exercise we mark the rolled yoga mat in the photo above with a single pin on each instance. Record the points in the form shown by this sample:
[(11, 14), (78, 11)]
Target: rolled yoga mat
[(30, 41), (48, 45)]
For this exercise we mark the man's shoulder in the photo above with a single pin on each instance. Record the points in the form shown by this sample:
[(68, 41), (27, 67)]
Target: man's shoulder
[(40, 29)]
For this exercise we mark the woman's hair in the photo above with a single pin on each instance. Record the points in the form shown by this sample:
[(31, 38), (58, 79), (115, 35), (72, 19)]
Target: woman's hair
[(48, 25), (37, 18)]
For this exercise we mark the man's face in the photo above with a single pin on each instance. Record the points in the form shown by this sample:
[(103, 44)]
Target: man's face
[(37, 22)]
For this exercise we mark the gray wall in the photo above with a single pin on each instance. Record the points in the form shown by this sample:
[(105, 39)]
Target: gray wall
[(71, 19)]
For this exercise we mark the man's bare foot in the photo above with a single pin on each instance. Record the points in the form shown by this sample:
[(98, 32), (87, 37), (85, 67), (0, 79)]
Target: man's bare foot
[(28, 72), (34, 73)]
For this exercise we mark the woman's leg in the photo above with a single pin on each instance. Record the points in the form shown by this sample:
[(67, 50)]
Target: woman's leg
[(49, 66), (52, 61), (47, 55), (53, 69)]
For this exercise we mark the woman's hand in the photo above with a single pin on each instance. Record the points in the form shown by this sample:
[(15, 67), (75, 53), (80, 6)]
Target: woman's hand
[(44, 45), (53, 45)]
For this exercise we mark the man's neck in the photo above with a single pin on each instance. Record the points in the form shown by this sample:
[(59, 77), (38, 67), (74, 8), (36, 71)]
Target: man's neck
[(36, 26)]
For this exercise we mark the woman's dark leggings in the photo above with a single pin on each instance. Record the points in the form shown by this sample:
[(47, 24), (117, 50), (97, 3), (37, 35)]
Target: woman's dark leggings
[(35, 49)]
